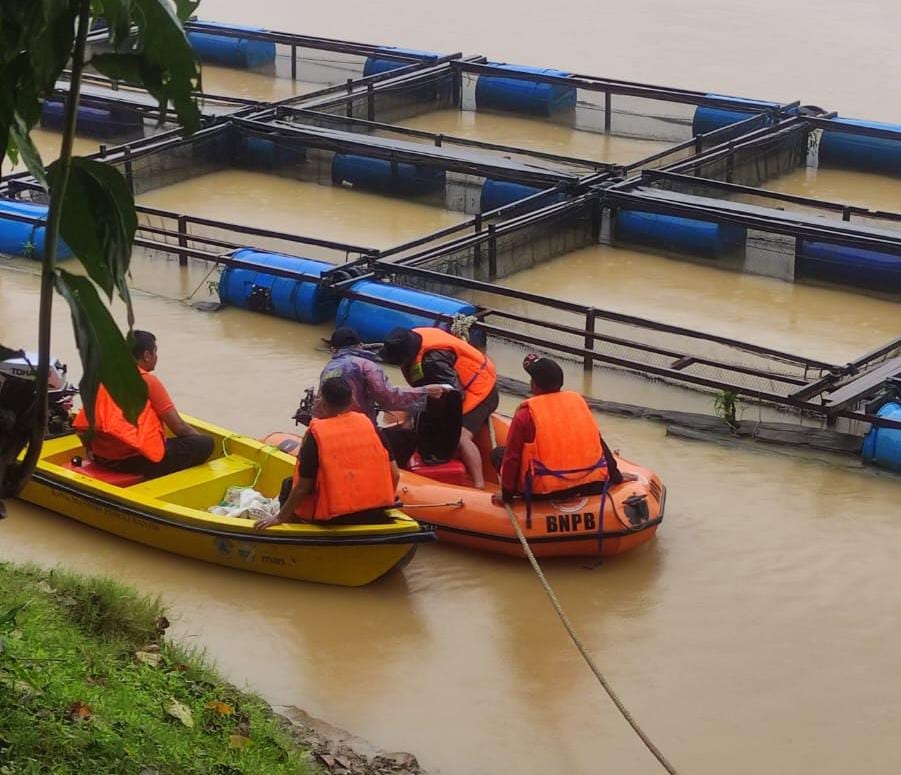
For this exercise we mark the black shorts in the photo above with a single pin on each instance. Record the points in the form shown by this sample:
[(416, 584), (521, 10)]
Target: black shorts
[(477, 417)]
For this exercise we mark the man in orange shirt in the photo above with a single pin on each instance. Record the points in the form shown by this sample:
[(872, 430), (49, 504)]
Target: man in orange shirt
[(143, 448)]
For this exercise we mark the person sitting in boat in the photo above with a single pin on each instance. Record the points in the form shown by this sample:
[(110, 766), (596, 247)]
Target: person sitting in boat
[(553, 443), (429, 356), (345, 470), (143, 448), (373, 391)]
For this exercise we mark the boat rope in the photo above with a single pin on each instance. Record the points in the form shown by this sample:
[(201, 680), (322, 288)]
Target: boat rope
[(457, 504), (582, 650), (205, 278), (257, 466)]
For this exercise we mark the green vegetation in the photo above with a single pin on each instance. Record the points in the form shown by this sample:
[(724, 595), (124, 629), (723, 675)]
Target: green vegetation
[(89, 685), (725, 405), (91, 205)]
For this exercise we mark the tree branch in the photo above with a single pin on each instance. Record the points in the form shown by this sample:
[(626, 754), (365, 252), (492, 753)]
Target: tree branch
[(48, 267)]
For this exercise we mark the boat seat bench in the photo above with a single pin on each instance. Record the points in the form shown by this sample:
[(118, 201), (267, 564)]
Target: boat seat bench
[(212, 477)]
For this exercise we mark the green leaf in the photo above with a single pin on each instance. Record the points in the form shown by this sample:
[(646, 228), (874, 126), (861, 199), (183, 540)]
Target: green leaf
[(165, 47), (116, 13), (27, 150), (121, 67), (184, 8), (98, 223), (50, 48), (105, 356), (9, 617)]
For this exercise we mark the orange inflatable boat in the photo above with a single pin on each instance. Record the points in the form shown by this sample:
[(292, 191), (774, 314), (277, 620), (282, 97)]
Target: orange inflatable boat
[(442, 496)]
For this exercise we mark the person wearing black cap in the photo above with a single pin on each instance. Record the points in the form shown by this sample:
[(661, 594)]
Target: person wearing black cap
[(553, 444), (431, 355)]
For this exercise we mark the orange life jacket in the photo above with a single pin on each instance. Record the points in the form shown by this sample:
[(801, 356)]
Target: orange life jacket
[(474, 369), (114, 435), (354, 469), (567, 450)]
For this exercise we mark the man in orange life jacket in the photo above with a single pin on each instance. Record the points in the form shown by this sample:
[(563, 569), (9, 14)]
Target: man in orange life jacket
[(430, 356), (345, 470), (144, 448), (553, 444)]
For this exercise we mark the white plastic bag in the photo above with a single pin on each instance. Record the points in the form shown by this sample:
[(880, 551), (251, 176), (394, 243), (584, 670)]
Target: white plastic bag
[(246, 503)]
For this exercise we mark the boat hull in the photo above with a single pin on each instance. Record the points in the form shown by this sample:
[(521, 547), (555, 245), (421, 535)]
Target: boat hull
[(582, 526), (351, 555), (558, 528)]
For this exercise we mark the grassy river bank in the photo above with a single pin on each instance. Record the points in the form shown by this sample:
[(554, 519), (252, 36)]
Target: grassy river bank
[(89, 683)]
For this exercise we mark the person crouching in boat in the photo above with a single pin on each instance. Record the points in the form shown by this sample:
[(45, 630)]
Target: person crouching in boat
[(372, 391), (553, 444), (143, 448), (430, 356), (345, 471)]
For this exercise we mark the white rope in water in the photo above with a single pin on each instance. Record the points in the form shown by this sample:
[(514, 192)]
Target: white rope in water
[(582, 650)]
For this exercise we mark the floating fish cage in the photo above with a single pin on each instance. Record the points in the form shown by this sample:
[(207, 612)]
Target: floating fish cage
[(672, 123), (458, 174), (392, 121), (304, 58), (765, 231), (456, 180), (309, 63), (753, 239)]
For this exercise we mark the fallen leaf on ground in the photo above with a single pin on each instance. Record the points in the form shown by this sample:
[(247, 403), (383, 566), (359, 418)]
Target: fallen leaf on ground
[(180, 711), (148, 658), (151, 647), (222, 708), (238, 742), (78, 711), (15, 634), (45, 587)]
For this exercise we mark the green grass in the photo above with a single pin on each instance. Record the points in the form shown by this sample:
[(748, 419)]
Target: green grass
[(75, 698)]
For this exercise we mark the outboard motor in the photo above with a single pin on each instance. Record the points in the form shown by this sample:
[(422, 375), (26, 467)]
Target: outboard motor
[(17, 377), (304, 413)]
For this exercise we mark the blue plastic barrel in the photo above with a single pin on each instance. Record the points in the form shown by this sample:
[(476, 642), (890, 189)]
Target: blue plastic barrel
[(93, 121), (849, 266), (245, 53), (265, 153), (385, 176), (869, 154), (384, 62), (708, 119), (882, 446), (18, 238), (498, 193), (708, 239), (521, 95), (258, 290), (372, 321)]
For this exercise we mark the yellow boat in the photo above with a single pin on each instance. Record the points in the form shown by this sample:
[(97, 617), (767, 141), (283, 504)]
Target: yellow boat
[(170, 513)]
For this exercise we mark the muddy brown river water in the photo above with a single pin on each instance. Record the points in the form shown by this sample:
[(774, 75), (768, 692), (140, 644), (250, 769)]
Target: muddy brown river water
[(757, 634)]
